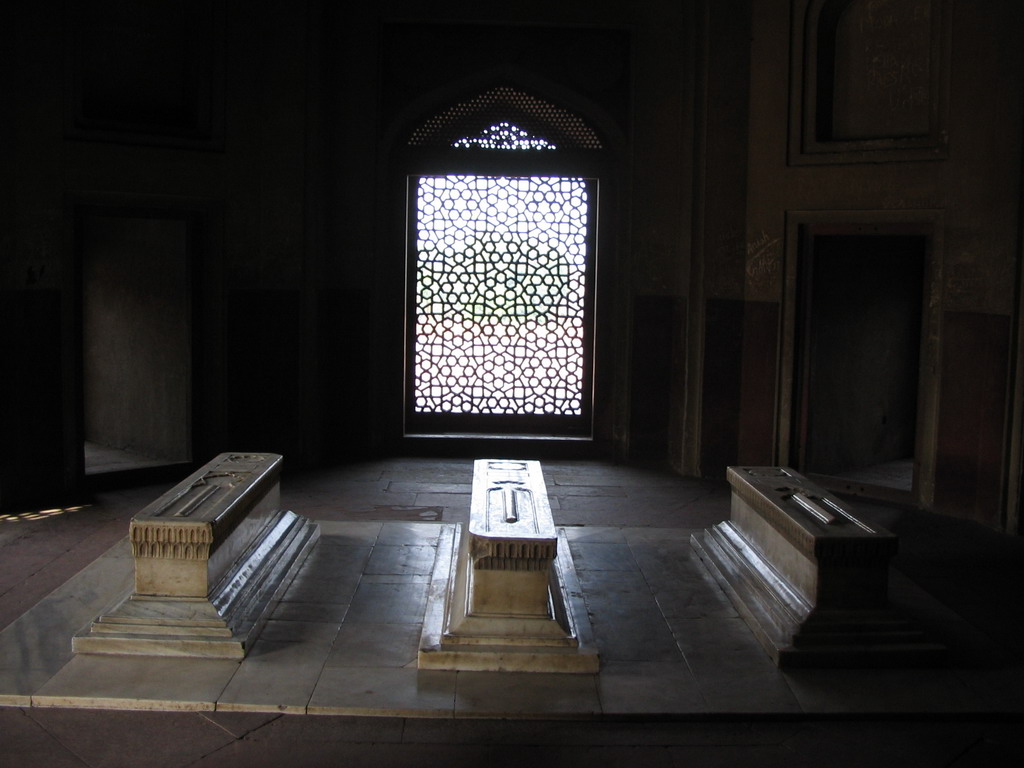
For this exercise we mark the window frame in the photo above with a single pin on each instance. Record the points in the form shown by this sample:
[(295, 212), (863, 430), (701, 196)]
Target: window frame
[(504, 425)]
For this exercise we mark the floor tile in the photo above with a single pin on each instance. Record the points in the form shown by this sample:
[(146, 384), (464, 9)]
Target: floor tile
[(297, 611), (608, 730), (525, 694), (998, 689), (281, 670), (303, 632), (26, 742), (41, 638), (456, 471), (400, 560), (153, 739), (348, 533), (587, 490), (595, 533), (911, 691), (333, 559), (667, 561), (321, 590), (137, 682), (398, 486), (733, 672), (273, 686), (405, 692), (602, 556), (240, 724), (609, 585), (618, 505), (395, 578), (18, 685), (401, 533), (388, 603), (457, 501), (695, 601), (325, 729), (633, 634), (627, 623), (362, 644), (907, 744), (564, 478), (633, 688)]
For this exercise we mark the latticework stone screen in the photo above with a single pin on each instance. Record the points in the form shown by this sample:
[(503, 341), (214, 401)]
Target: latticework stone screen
[(500, 295)]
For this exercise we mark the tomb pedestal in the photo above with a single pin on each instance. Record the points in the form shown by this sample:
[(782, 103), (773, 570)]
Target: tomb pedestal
[(808, 577), (504, 594), (212, 557)]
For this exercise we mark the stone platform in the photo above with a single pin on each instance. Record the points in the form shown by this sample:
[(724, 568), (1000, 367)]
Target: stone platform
[(344, 641)]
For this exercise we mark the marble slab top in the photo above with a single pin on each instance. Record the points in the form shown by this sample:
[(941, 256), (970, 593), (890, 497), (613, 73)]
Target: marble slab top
[(796, 506), (208, 496), (510, 501)]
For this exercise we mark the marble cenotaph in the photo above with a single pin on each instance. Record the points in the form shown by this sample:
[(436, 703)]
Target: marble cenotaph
[(212, 557), (504, 595), (808, 577)]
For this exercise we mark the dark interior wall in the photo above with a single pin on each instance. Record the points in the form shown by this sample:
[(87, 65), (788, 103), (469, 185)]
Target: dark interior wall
[(271, 120), (137, 335), (32, 456), (715, 326), (273, 117), (192, 108), (921, 127), (35, 411)]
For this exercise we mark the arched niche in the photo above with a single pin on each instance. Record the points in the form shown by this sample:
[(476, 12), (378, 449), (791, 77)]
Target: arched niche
[(869, 80)]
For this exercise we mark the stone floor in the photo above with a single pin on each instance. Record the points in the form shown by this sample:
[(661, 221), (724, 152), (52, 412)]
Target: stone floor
[(333, 676)]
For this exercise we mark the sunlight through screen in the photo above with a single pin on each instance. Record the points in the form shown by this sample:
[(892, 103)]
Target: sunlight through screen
[(500, 281)]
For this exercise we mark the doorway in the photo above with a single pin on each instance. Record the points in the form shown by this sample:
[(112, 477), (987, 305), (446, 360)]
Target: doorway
[(137, 339), (859, 341)]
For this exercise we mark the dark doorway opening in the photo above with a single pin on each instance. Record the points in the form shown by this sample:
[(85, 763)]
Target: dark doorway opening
[(137, 339), (860, 320)]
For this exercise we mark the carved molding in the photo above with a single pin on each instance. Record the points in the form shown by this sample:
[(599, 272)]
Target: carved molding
[(496, 551), (177, 542)]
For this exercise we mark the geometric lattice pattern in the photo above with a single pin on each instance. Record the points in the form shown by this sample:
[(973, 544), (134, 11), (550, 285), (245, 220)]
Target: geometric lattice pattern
[(505, 103), (504, 135), (500, 278)]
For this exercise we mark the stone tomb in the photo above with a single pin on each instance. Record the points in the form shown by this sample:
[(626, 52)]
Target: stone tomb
[(808, 577), (212, 557), (504, 594)]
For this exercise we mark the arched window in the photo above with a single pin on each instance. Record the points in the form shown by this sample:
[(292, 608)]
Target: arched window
[(501, 258)]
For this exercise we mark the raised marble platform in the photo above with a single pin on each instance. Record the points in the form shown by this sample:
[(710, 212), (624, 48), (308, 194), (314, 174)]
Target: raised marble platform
[(808, 577), (345, 637), (504, 595), (212, 557)]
